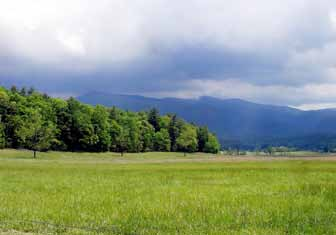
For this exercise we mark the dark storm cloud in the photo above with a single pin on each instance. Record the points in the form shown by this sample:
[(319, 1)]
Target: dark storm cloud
[(172, 48), (165, 70)]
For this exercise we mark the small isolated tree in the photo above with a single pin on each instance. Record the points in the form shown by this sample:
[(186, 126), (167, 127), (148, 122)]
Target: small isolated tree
[(36, 134), (212, 145), (187, 141)]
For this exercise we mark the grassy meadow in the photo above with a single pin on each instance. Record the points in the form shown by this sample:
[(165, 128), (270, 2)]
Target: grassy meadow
[(166, 193)]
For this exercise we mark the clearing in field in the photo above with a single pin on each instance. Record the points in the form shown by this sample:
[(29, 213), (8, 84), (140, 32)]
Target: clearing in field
[(165, 193)]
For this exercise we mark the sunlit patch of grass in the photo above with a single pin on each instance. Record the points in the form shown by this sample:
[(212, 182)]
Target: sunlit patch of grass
[(64, 193)]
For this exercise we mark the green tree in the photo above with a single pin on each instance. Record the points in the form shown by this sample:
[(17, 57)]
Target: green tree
[(164, 122), (62, 117), (202, 138), (36, 134), (131, 131), (174, 128), (212, 145), (115, 113), (78, 126), (2, 135), (23, 91), (31, 91), (122, 141), (100, 122), (147, 133), (187, 141), (14, 89), (154, 119), (115, 133), (4, 104), (162, 141)]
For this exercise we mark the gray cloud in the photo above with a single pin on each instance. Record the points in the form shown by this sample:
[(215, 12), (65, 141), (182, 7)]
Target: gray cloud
[(160, 47)]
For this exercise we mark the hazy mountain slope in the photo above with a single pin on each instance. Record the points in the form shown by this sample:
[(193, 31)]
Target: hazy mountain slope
[(234, 119)]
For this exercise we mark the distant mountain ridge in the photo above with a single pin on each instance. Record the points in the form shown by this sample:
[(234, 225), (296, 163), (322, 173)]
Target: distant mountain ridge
[(238, 122)]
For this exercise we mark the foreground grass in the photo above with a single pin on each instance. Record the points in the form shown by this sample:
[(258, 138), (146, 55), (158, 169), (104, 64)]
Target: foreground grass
[(159, 193)]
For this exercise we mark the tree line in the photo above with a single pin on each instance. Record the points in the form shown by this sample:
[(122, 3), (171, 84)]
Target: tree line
[(35, 121)]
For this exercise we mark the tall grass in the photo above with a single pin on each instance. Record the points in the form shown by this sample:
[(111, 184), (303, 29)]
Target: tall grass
[(56, 195)]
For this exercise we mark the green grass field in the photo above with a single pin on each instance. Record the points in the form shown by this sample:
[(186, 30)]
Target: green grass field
[(165, 193)]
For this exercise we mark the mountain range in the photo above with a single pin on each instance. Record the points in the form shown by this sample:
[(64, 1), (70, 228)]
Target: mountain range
[(238, 123)]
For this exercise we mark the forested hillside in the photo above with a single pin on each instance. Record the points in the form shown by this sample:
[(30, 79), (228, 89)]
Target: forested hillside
[(239, 123), (38, 122)]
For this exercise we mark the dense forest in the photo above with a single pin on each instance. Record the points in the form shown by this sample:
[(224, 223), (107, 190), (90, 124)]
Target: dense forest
[(35, 121)]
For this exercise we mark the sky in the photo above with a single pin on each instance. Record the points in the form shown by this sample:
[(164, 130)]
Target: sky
[(265, 51)]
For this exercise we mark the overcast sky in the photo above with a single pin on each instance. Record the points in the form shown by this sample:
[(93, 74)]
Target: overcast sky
[(267, 51)]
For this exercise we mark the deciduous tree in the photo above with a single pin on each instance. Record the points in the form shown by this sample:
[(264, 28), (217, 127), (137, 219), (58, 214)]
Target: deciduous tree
[(187, 141), (162, 141), (36, 134), (212, 145)]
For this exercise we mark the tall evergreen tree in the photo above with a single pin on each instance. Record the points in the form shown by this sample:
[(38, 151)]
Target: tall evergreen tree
[(202, 137), (174, 129), (23, 91), (14, 89), (154, 118)]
